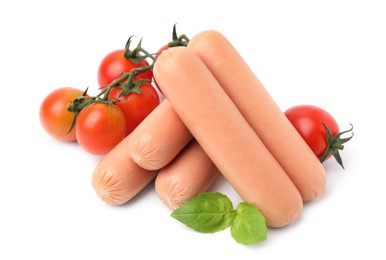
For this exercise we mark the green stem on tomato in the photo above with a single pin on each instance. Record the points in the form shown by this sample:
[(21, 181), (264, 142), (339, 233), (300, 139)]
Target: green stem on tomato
[(181, 40), (334, 144), (135, 54)]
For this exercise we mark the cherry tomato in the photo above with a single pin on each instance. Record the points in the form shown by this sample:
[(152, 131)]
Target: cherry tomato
[(308, 121), (114, 63), (100, 127), (54, 116), (136, 106)]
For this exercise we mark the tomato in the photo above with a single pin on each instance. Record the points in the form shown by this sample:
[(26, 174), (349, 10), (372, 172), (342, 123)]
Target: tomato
[(320, 131), (136, 106), (100, 127), (54, 116), (114, 63), (308, 121)]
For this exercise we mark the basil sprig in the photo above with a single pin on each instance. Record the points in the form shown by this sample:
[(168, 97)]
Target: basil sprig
[(210, 212)]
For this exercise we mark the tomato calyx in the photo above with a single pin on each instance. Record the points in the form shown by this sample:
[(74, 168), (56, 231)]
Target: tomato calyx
[(76, 106), (133, 88), (138, 53), (335, 143), (181, 40)]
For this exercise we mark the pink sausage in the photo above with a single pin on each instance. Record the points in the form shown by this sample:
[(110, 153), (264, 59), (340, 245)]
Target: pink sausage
[(117, 179), (224, 134), (159, 138), (189, 174), (261, 112)]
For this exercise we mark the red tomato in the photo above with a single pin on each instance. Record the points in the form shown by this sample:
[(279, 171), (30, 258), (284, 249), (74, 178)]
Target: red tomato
[(136, 106), (307, 120), (54, 116), (114, 63), (100, 127)]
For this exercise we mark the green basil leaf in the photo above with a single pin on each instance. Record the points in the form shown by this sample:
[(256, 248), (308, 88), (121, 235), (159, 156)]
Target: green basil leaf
[(248, 226), (208, 212)]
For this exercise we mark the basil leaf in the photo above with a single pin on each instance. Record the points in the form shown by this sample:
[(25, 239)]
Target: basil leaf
[(208, 212), (248, 226)]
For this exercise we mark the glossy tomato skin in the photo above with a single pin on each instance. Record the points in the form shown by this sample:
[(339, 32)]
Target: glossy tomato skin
[(114, 63), (100, 127), (54, 116), (308, 121), (136, 106)]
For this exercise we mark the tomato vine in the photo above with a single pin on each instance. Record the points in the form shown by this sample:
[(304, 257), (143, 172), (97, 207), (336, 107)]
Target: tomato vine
[(126, 81)]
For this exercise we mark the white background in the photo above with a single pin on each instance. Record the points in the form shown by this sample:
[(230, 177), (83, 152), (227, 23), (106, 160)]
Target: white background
[(327, 53)]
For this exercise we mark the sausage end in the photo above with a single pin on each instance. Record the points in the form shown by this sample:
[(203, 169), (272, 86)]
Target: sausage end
[(170, 192), (144, 154), (109, 188)]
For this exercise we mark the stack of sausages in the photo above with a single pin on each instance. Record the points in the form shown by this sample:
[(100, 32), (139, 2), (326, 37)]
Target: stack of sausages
[(217, 118)]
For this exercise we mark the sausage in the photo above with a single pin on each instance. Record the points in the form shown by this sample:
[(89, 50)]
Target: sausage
[(261, 112), (159, 138), (189, 174), (117, 178), (224, 134)]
